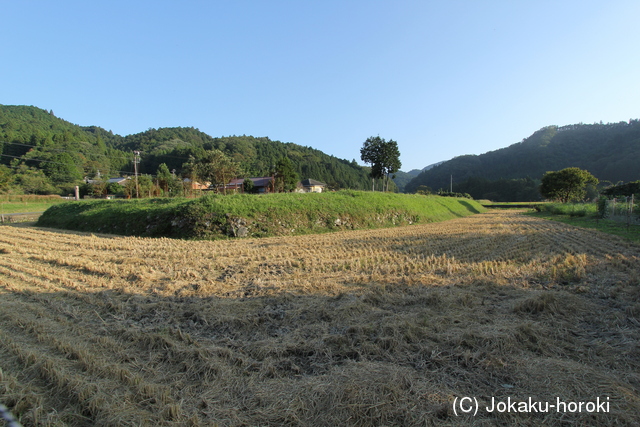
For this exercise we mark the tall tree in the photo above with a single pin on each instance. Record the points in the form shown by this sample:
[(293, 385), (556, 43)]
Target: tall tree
[(383, 156), (213, 167), (369, 155), (286, 178), (145, 187), (164, 178), (6, 178), (566, 184)]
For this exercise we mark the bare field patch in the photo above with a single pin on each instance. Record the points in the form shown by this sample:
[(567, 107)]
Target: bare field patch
[(366, 328)]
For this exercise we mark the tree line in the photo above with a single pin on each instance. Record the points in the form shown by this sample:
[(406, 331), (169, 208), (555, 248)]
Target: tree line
[(43, 154)]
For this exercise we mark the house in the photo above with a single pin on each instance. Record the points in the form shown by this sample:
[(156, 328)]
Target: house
[(119, 181), (260, 185), (195, 185), (312, 186)]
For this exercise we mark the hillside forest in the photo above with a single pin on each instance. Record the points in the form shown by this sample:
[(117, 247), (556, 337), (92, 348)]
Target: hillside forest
[(43, 154), (610, 152)]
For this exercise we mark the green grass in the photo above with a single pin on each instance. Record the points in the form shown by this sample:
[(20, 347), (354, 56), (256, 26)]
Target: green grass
[(217, 216), (489, 202), (584, 215), (570, 209), (27, 203)]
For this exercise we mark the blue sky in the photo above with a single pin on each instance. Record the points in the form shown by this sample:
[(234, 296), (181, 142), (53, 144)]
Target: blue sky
[(443, 78)]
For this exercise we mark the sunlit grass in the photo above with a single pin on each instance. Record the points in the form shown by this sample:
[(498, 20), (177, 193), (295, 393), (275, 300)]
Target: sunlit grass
[(585, 215), (220, 216), (27, 203)]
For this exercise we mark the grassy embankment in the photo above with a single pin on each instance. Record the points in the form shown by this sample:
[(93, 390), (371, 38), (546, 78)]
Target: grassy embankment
[(218, 216), (586, 215)]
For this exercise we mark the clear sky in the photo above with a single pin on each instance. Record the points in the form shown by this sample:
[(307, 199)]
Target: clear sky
[(443, 78)]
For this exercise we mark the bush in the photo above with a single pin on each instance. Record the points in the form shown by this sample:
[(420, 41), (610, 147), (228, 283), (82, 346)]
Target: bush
[(453, 194), (602, 205), (570, 209)]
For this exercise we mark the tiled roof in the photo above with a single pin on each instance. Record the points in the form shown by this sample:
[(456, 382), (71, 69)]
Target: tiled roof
[(312, 182), (258, 182)]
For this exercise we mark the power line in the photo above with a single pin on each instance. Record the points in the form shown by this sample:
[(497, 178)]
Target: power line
[(27, 159), (99, 154), (59, 163), (49, 149), (136, 158)]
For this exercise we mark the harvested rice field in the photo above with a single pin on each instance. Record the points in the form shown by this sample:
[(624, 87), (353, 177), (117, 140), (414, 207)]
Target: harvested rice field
[(475, 321)]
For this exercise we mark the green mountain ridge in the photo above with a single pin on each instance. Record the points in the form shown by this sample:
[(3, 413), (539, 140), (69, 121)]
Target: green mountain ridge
[(401, 179), (41, 153), (611, 152), (34, 141)]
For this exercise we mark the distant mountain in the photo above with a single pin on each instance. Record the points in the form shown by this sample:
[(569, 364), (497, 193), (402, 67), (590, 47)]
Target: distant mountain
[(610, 152), (403, 178), (36, 143), (431, 166)]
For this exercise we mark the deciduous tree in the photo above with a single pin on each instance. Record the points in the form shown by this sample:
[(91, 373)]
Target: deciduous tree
[(566, 184), (213, 167), (383, 156), (6, 178)]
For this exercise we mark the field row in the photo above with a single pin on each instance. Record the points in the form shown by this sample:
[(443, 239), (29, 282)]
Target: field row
[(514, 246), (351, 328)]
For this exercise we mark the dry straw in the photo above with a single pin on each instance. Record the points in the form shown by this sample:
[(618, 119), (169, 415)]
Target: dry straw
[(362, 328)]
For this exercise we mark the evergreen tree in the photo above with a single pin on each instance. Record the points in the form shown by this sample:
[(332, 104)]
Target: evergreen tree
[(248, 186), (164, 178), (286, 178)]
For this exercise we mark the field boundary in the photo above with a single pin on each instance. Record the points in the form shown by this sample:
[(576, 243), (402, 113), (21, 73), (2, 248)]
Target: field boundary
[(19, 217)]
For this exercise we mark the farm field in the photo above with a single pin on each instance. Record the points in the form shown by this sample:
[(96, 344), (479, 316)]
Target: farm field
[(357, 328), (27, 203), (17, 207)]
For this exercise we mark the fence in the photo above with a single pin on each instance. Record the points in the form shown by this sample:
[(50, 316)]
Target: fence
[(622, 209), (19, 217)]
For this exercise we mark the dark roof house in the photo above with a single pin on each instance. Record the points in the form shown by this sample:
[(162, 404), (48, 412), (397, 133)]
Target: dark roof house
[(312, 186), (261, 185)]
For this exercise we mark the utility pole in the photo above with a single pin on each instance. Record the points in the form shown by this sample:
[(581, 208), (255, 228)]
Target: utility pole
[(451, 185), (136, 160)]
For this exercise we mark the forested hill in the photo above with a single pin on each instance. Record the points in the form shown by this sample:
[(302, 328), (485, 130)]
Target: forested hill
[(401, 178), (257, 156), (610, 152), (57, 153), (42, 154)]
